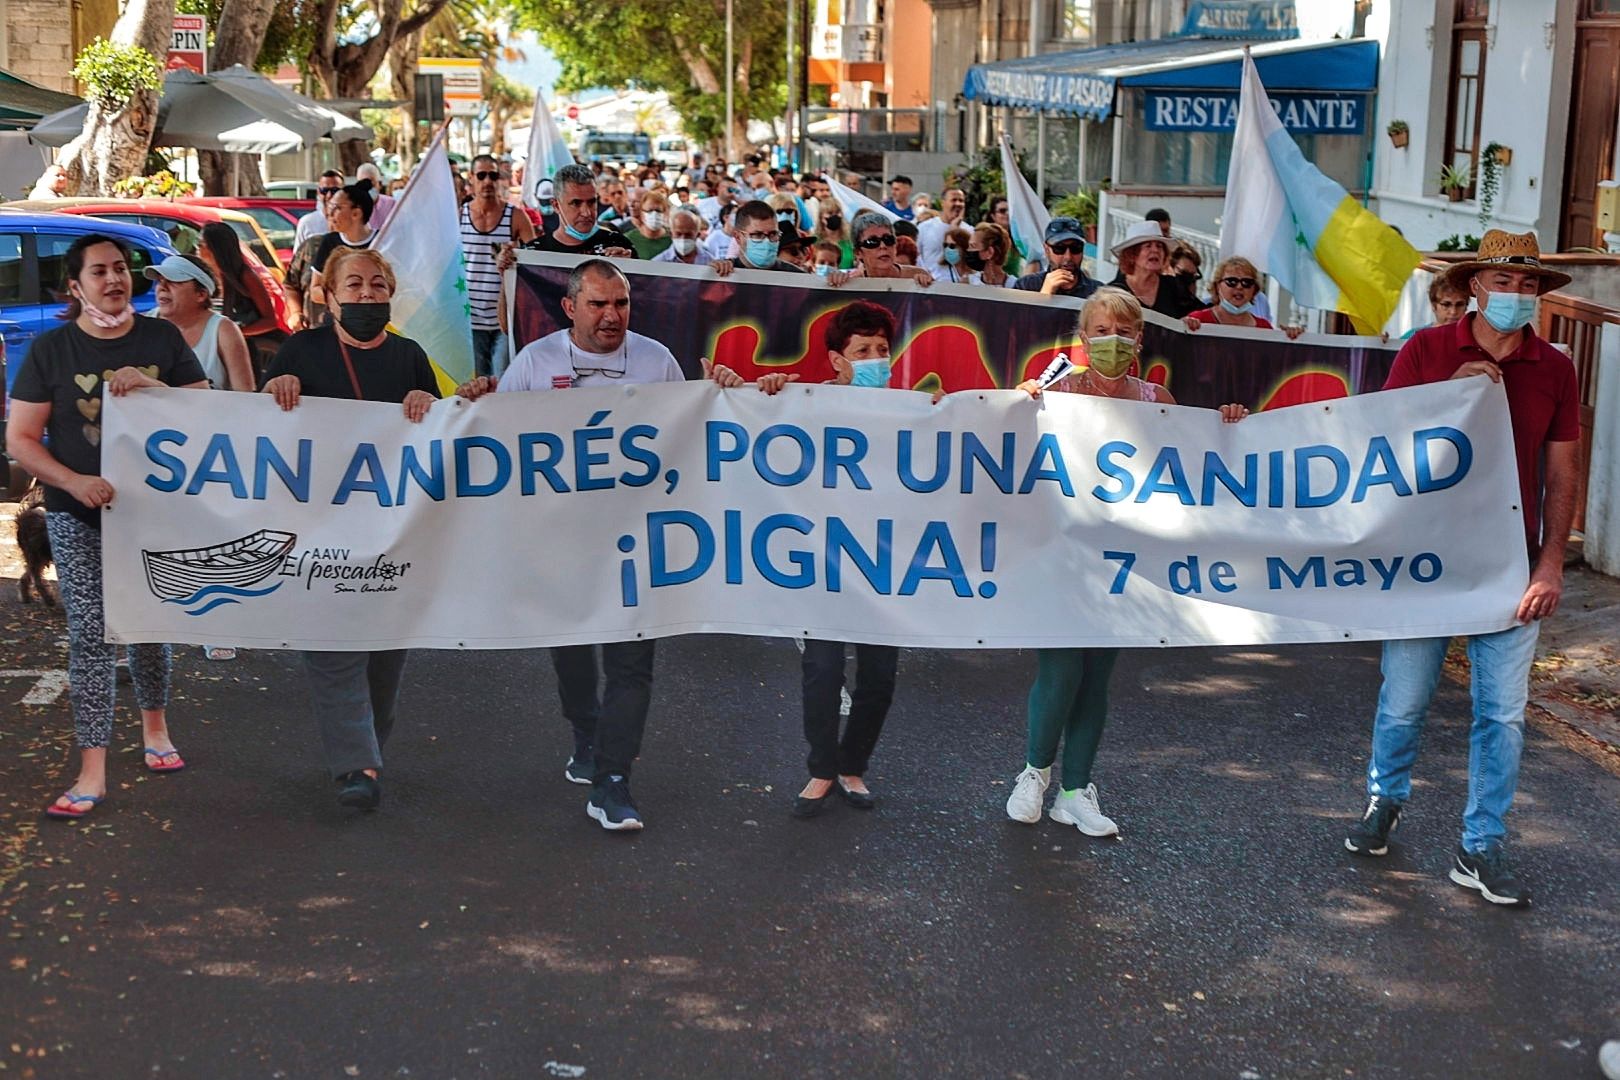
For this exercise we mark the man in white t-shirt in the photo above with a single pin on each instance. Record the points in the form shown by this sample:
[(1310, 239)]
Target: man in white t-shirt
[(931, 233), (599, 349)]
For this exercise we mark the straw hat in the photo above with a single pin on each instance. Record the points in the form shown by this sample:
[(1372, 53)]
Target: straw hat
[(1142, 232), (1500, 250)]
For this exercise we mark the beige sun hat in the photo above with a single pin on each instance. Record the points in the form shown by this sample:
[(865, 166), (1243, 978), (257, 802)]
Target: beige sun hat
[(1500, 250), (1141, 233)]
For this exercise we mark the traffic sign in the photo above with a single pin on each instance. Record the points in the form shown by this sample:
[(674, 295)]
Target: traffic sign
[(463, 82), (188, 44), (573, 112)]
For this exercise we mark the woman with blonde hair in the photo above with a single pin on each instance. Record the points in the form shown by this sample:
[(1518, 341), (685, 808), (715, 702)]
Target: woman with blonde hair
[(1236, 284), (1069, 700), (987, 256), (355, 357)]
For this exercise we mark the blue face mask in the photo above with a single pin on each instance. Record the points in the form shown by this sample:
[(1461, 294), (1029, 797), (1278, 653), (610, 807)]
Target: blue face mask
[(1508, 311), (823, 269), (952, 256), (576, 234), (1236, 309), (871, 372), (545, 206), (762, 194), (761, 252)]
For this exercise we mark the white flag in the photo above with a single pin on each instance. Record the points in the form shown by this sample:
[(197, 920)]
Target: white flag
[(548, 150), (422, 241), (1026, 213), (853, 202)]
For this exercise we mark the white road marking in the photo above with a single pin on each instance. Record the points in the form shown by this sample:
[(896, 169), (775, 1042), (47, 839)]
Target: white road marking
[(48, 685)]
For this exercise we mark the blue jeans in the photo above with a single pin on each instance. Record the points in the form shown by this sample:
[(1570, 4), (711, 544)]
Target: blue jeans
[(1500, 665), (489, 352)]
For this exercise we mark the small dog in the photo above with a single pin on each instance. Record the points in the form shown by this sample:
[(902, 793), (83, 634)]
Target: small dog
[(35, 544)]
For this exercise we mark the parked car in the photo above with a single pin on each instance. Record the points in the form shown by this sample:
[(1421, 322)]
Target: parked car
[(278, 217), (32, 249), (672, 152), (183, 223), (291, 189)]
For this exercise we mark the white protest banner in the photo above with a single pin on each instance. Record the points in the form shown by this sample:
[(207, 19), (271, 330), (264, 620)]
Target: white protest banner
[(989, 520)]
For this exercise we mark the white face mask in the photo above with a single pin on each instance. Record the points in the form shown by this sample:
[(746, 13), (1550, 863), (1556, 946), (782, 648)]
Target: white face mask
[(654, 219), (684, 245)]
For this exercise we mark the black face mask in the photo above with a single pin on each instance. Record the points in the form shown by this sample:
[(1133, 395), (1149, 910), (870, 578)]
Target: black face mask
[(833, 221), (975, 260), (363, 321)]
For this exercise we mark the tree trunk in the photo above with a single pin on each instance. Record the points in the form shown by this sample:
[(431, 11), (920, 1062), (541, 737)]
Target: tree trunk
[(113, 144), (402, 63), (237, 40)]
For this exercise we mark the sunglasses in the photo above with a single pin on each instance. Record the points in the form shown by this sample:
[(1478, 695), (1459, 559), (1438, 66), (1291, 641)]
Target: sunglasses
[(325, 192), (872, 243), (1239, 282), (1068, 247), (486, 175)]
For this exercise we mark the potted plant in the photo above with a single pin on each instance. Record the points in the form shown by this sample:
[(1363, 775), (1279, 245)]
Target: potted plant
[(1081, 205), (1398, 133), (1454, 180), (1502, 155)]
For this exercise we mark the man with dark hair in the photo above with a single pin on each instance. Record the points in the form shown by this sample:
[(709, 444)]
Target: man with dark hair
[(1065, 250), (899, 197), (1162, 217), (577, 231), (488, 222), (597, 349), (759, 241), (314, 223)]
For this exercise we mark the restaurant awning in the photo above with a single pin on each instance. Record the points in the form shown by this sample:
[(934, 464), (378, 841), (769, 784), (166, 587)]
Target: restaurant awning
[(1084, 83), (22, 103)]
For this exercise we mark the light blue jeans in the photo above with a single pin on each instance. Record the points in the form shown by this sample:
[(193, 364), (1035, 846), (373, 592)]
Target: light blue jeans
[(1500, 665)]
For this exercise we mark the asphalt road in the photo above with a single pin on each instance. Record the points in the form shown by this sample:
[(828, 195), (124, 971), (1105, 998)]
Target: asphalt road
[(233, 921)]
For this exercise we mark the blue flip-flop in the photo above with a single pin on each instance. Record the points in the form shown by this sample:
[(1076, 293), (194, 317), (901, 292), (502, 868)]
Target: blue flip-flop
[(73, 798), (179, 762)]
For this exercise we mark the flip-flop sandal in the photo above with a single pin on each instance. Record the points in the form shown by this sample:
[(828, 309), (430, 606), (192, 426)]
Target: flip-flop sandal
[(74, 799), (175, 766)]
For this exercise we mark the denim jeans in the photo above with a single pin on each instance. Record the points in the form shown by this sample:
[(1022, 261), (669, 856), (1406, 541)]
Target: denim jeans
[(355, 695), (1500, 665), (489, 352)]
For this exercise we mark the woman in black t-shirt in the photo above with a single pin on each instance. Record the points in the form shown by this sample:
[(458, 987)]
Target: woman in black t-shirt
[(354, 356), (58, 396)]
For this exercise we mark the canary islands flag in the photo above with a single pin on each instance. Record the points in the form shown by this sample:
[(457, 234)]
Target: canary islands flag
[(1300, 227), (1027, 215), (422, 241)]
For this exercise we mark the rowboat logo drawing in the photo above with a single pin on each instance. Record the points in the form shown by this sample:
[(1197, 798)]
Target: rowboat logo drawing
[(202, 579)]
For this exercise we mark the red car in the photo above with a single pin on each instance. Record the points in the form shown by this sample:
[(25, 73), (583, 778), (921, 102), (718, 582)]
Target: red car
[(276, 216), (183, 223)]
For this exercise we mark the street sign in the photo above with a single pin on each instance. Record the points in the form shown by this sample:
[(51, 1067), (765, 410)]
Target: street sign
[(573, 112), (188, 44), (463, 82)]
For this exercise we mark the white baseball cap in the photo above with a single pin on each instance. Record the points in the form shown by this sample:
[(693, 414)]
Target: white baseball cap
[(176, 268)]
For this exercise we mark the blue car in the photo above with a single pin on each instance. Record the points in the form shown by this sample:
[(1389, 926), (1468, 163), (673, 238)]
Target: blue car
[(32, 250)]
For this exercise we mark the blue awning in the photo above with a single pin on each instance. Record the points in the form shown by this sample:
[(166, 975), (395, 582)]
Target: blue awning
[(1083, 83)]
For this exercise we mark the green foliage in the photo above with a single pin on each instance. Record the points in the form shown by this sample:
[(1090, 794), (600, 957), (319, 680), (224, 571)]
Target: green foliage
[(983, 178), (1455, 177), (1397, 127), (288, 39), (161, 185), (1466, 242), (1490, 181), (665, 45), (112, 74), (1080, 205)]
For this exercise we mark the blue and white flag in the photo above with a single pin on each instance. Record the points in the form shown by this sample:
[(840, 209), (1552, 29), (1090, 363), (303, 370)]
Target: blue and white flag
[(548, 150), (1025, 212)]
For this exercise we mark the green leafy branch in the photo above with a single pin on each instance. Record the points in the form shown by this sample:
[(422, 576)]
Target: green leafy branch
[(113, 73)]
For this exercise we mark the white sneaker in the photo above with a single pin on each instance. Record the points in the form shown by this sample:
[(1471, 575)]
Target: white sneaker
[(1029, 791), (1080, 809)]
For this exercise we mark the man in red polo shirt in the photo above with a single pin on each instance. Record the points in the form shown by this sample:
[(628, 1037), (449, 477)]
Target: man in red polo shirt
[(1498, 343)]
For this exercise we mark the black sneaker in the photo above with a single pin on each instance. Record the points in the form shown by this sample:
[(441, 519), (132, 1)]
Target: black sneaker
[(359, 790), (1488, 872), (581, 769), (611, 806), (1371, 834)]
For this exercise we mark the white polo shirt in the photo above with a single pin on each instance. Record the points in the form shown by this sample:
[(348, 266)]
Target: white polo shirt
[(554, 362)]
